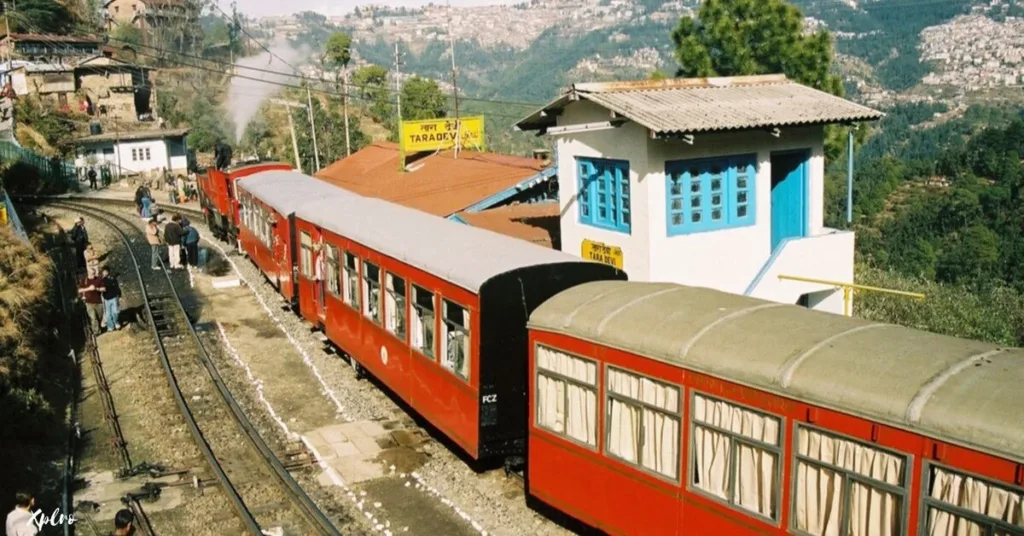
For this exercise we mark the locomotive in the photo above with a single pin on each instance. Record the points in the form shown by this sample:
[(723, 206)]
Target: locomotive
[(643, 408)]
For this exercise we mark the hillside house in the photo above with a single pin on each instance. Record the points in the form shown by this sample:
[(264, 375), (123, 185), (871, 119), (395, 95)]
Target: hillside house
[(52, 49), (149, 14), (114, 89), (715, 182), (51, 83), (145, 152)]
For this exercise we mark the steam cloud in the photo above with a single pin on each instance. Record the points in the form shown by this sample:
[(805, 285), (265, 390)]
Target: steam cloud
[(246, 95)]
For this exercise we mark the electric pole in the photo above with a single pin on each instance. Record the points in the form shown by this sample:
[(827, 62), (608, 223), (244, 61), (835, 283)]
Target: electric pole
[(455, 84), (312, 125), (288, 105), (344, 106), (398, 89)]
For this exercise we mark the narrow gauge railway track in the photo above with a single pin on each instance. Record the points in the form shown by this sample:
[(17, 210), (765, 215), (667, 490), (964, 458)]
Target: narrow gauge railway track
[(189, 369)]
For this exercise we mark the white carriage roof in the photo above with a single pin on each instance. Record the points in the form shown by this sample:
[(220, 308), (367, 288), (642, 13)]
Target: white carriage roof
[(961, 391), (286, 191), (463, 255)]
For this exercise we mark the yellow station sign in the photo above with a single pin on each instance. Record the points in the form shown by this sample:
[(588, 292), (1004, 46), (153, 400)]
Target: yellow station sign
[(434, 134), (602, 253)]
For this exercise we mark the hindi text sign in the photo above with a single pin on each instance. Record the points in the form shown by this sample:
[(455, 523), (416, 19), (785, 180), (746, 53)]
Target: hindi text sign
[(434, 134), (602, 253)]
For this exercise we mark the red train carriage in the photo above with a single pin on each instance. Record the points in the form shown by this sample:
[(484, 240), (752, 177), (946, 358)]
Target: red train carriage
[(661, 409), (267, 204), (218, 200), (435, 309)]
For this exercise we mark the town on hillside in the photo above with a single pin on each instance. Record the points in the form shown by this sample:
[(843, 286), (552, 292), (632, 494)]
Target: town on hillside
[(629, 267)]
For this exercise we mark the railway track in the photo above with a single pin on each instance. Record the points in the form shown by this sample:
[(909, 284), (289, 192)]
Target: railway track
[(260, 488)]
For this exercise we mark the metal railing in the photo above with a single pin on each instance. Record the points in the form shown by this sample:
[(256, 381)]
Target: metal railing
[(52, 171), (849, 288)]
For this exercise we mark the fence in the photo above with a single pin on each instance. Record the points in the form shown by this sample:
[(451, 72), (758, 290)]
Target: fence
[(8, 216), (54, 173)]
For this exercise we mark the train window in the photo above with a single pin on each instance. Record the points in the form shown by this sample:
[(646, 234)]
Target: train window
[(395, 305), (957, 503), (846, 484), (306, 255), (736, 455), (333, 283), (423, 306), (567, 395), (642, 425), (371, 290), (455, 339), (350, 285)]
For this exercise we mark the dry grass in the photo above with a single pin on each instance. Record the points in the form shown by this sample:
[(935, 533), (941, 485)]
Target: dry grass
[(25, 283)]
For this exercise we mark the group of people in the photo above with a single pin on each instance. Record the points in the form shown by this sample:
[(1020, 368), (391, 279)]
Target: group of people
[(98, 289), (181, 238), (20, 521)]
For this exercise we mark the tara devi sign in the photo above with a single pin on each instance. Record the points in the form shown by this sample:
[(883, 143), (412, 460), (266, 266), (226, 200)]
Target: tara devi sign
[(439, 134), (602, 253)]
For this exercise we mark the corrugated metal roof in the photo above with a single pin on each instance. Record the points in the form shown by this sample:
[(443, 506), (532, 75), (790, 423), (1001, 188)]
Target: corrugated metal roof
[(962, 391), (133, 136), (533, 222), (461, 254), (691, 106), (437, 183)]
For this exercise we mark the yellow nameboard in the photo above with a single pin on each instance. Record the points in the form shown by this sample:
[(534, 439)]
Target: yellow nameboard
[(602, 253), (434, 134)]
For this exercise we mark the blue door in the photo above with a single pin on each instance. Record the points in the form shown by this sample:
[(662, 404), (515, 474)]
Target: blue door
[(789, 196)]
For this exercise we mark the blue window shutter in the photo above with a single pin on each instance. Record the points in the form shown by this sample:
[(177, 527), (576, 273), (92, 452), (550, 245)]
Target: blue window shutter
[(695, 196)]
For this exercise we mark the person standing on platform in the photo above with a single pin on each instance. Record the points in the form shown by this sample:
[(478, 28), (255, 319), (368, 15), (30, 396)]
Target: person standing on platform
[(80, 238), (172, 235), (153, 237), (90, 291), (111, 300), (19, 520), (147, 208), (92, 178), (172, 191), (192, 246)]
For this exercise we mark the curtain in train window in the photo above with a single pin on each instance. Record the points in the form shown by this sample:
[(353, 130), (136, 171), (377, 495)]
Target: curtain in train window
[(333, 283), (643, 417), (371, 291), (990, 506), (567, 395), (395, 305), (455, 339), (841, 481), (306, 255), (736, 455), (351, 281), (423, 320)]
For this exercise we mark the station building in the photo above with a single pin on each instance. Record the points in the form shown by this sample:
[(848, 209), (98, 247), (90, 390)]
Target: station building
[(713, 182)]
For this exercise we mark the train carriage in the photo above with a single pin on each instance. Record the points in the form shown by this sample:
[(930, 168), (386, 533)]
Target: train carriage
[(662, 409), (218, 199), (267, 204), (435, 309)]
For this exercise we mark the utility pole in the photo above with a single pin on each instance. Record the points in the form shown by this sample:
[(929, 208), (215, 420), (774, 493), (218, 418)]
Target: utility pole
[(288, 105), (344, 106), (398, 90), (312, 125), (455, 84)]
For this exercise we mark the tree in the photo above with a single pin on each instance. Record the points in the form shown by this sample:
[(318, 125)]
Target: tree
[(339, 53), (422, 99), (749, 37), (127, 34), (42, 16), (372, 83)]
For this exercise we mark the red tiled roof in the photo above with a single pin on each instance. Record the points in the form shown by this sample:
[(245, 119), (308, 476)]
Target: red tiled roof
[(438, 183), (537, 222)]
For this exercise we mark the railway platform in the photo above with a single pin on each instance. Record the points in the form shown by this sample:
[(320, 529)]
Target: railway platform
[(126, 193)]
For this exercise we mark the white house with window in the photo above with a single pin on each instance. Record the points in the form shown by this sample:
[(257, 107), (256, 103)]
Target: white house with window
[(715, 182), (136, 152)]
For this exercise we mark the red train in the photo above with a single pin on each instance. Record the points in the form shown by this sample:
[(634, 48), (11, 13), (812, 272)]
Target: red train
[(646, 408)]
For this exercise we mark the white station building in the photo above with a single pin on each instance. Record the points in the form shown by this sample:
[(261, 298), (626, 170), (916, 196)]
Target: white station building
[(712, 182)]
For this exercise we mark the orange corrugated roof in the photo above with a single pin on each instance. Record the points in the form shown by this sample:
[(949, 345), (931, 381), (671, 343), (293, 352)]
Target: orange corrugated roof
[(537, 223), (438, 183)]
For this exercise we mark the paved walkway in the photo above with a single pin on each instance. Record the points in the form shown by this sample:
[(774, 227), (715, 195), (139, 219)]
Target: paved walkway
[(119, 192)]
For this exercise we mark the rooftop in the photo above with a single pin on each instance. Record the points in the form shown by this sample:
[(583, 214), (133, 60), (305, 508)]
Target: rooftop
[(133, 136), (533, 222), (51, 38), (438, 183), (696, 105)]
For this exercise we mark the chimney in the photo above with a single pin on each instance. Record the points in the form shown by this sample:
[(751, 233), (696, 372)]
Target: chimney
[(542, 154)]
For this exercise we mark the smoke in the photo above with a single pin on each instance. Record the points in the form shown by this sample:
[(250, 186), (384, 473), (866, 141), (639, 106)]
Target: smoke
[(250, 88)]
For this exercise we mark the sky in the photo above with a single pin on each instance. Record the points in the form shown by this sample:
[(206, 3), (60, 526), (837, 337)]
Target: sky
[(260, 8)]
